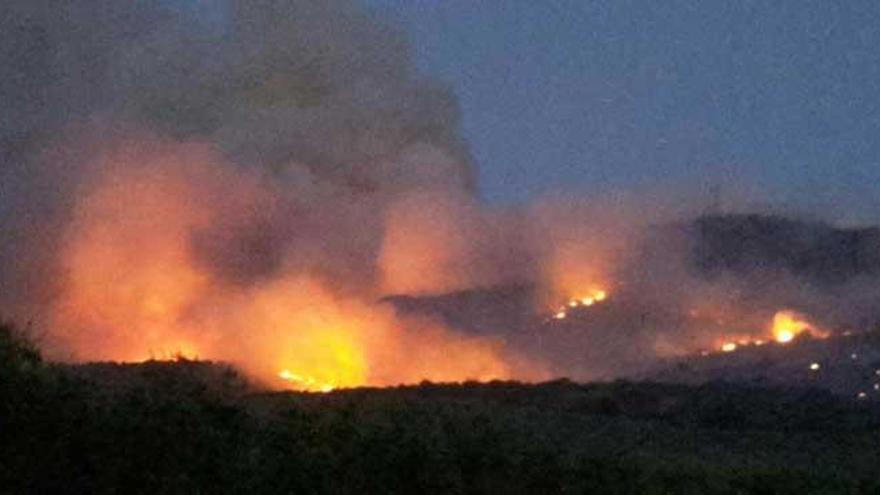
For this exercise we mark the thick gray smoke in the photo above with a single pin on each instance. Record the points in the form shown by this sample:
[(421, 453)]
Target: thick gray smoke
[(272, 82), (253, 174), (317, 94), (240, 180)]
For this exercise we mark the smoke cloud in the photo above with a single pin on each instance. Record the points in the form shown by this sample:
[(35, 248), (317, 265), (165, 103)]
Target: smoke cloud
[(251, 180)]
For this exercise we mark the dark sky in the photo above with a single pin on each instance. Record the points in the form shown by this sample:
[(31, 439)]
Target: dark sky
[(781, 97)]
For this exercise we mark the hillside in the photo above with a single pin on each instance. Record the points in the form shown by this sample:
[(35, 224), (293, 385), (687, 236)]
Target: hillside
[(814, 251), (194, 427), (846, 365), (758, 420), (740, 269)]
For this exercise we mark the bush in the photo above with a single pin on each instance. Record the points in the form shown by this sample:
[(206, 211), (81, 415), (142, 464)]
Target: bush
[(188, 426), (16, 350)]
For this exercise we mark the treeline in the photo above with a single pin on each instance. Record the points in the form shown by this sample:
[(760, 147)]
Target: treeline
[(197, 427)]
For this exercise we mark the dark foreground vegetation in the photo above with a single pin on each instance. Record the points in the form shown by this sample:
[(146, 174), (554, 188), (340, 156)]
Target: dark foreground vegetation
[(197, 427)]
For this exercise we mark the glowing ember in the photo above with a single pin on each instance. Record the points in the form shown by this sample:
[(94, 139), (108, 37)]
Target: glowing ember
[(728, 347), (814, 367), (787, 325), (596, 296)]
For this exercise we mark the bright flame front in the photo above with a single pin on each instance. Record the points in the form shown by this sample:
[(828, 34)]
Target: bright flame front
[(138, 286), (787, 325)]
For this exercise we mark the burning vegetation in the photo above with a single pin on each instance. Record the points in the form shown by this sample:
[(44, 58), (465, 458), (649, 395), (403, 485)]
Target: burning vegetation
[(158, 426), (591, 298), (281, 204), (137, 286), (204, 204), (786, 326)]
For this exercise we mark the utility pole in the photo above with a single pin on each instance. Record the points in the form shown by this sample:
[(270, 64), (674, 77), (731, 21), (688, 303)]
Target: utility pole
[(715, 206)]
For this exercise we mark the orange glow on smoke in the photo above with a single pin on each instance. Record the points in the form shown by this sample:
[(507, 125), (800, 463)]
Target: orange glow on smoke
[(438, 242), (135, 290), (580, 245), (129, 275)]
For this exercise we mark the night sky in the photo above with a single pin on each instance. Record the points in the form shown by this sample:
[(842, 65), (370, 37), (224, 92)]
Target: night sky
[(778, 97)]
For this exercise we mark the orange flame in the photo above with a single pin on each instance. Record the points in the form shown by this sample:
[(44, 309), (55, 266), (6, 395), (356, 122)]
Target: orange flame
[(787, 325), (134, 289), (783, 329)]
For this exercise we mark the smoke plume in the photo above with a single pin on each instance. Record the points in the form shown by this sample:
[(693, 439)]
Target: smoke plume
[(253, 180), (228, 180)]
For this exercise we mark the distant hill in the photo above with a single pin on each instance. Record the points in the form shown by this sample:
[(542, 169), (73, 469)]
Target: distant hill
[(776, 262), (710, 246), (814, 251)]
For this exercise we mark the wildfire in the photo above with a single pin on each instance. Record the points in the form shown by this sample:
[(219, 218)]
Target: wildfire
[(787, 325), (784, 328), (594, 297), (306, 383), (149, 272)]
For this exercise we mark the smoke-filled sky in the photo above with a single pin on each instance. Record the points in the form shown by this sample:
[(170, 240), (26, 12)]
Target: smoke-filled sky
[(255, 180), (782, 97)]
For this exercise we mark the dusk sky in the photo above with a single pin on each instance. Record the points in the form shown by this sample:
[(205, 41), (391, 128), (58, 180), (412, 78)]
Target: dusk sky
[(781, 97)]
